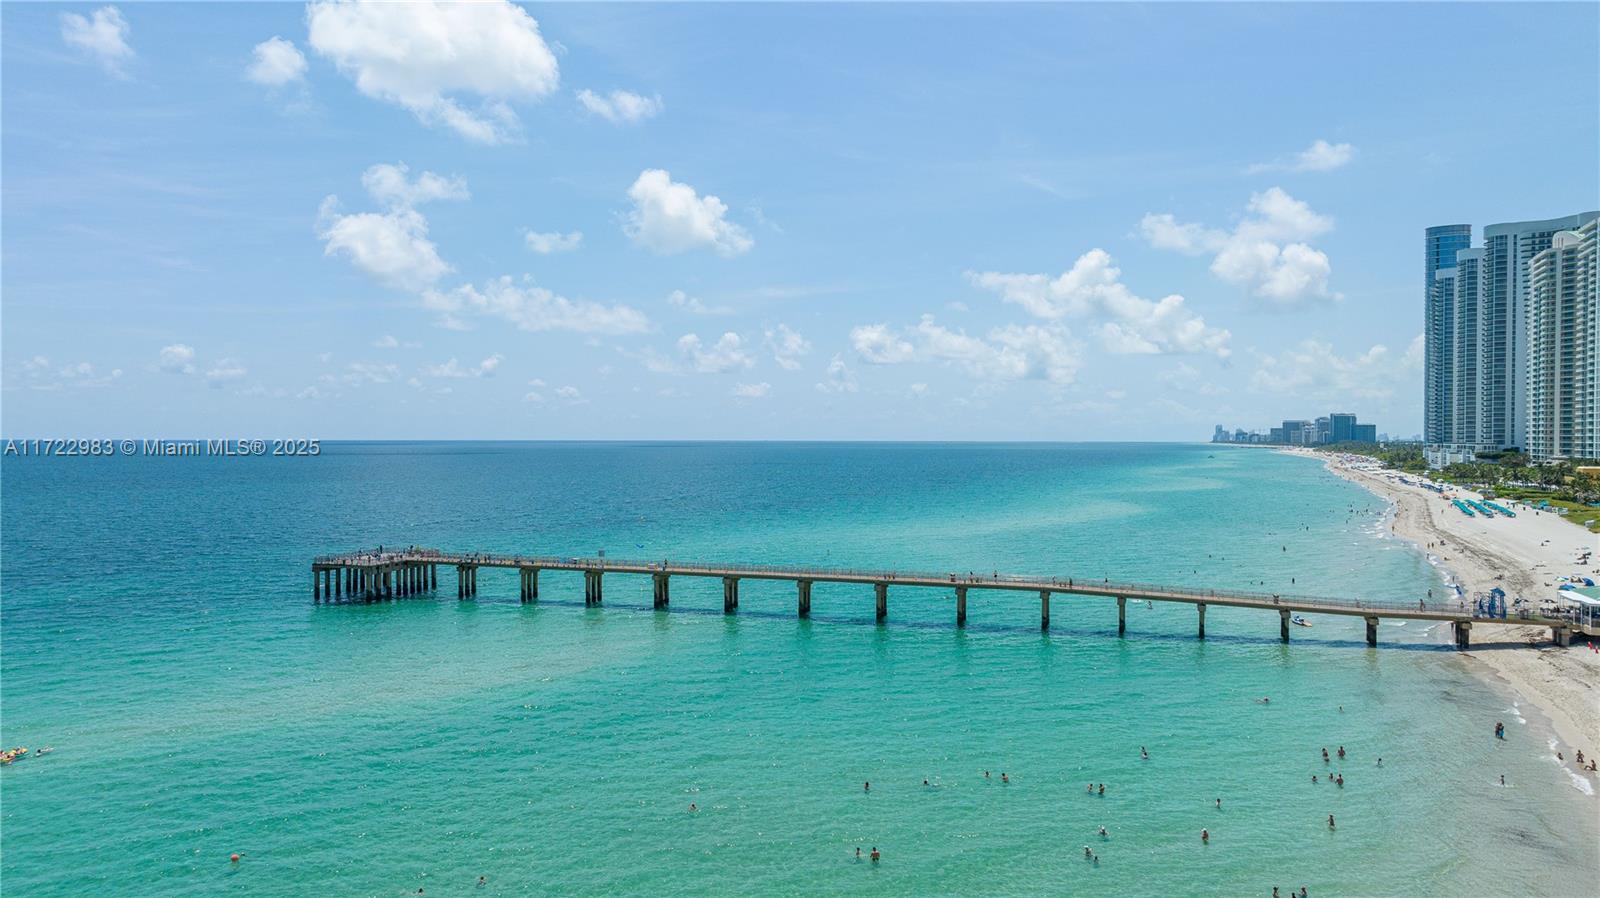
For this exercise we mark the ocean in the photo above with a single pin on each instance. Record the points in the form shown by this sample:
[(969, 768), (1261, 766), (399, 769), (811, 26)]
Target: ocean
[(157, 629)]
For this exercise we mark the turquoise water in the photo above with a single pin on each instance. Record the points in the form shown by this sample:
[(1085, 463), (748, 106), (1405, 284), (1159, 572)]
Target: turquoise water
[(158, 631)]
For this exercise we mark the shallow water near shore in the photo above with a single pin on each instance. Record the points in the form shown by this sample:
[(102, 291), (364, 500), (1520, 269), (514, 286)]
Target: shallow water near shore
[(159, 632)]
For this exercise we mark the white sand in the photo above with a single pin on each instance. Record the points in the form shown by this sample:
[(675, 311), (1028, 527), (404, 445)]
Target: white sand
[(1523, 556)]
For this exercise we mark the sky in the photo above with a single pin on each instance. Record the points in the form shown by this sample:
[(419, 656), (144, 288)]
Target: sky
[(774, 221)]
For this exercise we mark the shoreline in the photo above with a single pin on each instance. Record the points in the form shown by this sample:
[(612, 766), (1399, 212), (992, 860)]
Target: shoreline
[(1563, 683)]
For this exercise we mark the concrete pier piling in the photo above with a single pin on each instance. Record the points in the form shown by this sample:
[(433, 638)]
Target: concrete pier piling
[(378, 575)]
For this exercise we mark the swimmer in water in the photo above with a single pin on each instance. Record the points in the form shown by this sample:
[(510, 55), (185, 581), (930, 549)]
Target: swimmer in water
[(1103, 833), (1089, 788), (924, 781), (1502, 779), (1102, 788), (1330, 821), (1205, 835), (482, 882), (693, 807), (1341, 752), (1313, 777), (1087, 853), (858, 852), (875, 854), (986, 774), (866, 787), (1144, 754), (1324, 756), (1265, 700), (1219, 802), (1004, 778)]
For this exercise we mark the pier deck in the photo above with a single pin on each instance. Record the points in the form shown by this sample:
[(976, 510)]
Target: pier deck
[(386, 573)]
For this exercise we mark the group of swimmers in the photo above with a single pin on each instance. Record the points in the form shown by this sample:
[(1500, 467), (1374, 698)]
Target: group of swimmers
[(17, 754)]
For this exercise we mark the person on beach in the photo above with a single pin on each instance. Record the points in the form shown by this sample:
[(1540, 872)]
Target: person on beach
[(1499, 730)]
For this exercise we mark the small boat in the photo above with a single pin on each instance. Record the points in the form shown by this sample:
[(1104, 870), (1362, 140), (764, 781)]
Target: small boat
[(1299, 621)]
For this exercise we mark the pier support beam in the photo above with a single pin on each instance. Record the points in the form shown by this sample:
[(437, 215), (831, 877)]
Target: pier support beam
[(730, 595), (1561, 636), (663, 592), (533, 584), (1283, 624), (803, 587), (882, 590), (1122, 615), (1044, 609), (316, 585), (1372, 631), (961, 606), (591, 587), (522, 585), (433, 576), (1463, 632), (461, 581), (1201, 609)]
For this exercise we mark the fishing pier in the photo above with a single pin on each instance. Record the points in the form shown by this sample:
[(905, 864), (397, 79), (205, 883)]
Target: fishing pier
[(381, 574)]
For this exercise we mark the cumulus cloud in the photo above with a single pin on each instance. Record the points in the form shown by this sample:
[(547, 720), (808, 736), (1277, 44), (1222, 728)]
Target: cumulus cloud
[(545, 243), (787, 346), (276, 62), (532, 308), (724, 355), (1320, 156), (392, 245), (177, 359), (428, 56), (752, 391), (669, 217), (1093, 289), (1313, 370), (1265, 252), (1012, 352), (840, 379), (102, 36), (620, 107)]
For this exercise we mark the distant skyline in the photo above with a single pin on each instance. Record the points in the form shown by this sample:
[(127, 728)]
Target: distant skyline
[(1019, 222)]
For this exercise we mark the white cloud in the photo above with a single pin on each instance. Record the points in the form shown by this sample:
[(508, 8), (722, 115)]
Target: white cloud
[(724, 355), (1265, 252), (225, 371), (545, 243), (620, 107), (533, 308), (1012, 352), (391, 186), (787, 346), (177, 359), (1320, 156), (1313, 370), (1093, 289), (669, 217), (393, 245), (102, 35), (1185, 378), (569, 393), (276, 62), (752, 391), (694, 306), (840, 378), (424, 55), (1324, 156), (454, 368), (37, 374), (387, 341), (370, 372)]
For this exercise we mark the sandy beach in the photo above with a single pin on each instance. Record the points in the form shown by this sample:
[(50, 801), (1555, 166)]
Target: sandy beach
[(1523, 556)]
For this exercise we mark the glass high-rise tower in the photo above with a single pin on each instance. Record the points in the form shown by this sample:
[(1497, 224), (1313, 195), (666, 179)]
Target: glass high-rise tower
[(1440, 245)]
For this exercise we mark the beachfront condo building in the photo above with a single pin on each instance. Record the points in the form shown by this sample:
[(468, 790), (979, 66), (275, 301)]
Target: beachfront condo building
[(1478, 352), (1563, 378), (1440, 246)]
